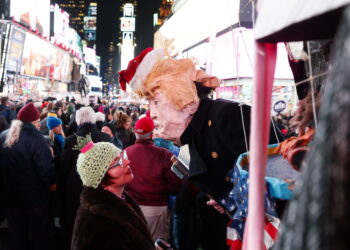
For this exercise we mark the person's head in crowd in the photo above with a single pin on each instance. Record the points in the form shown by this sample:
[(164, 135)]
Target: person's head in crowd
[(108, 129), (3, 123), (70, 109), (122, 120), (107, 112), (100, 108), (58, 111), (4, 100), (85, 115), (28, 114), (54, 125), (44, 104), (95, 107), (144, 128), (134, 117), (120, 108), (78, 106), (91, 104), (142, 111), (59, 104), (100, 119), (104, 165)]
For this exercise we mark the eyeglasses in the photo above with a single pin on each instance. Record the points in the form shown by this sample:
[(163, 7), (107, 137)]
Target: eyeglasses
[(122, 157)]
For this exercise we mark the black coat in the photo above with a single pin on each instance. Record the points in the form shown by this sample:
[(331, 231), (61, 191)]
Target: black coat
[(216, 138), (70, 184), (26, 169), (106, 222)]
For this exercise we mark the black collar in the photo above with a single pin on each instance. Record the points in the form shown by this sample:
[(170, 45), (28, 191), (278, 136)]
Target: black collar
[(198, 121), (86, 125)]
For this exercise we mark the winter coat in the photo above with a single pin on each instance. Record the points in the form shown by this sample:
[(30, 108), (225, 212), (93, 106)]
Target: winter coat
[(70, 184), (27, 169), (7, 113), (215, 137), (106, 222), (153, 179)]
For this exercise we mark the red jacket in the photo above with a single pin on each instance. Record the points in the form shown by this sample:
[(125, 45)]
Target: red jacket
[(153, 178)]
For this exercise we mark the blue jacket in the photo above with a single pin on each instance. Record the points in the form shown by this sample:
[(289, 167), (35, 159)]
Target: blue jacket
[(26, 169)]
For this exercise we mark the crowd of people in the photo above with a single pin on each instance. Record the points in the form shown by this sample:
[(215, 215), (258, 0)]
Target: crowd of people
[(41, 181), (106, 171)]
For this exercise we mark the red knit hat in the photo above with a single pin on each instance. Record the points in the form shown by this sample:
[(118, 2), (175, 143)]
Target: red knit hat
[(144, 126), (127, 74), (28, 113)]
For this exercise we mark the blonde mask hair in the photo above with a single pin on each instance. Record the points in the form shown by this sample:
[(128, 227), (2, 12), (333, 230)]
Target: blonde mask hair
[(174, 77)]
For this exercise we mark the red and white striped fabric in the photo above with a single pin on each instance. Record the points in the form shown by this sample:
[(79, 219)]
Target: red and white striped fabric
[(234, 238)]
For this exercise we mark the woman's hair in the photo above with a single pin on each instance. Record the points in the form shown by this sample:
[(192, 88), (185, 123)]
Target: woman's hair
[(120, 119), (52, 135), (85, 115), (13, 133)]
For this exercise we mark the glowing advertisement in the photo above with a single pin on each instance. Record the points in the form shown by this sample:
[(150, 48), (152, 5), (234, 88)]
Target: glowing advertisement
[(92, 11), (34, 14), (61, 26), (89, 23), (127, 24), (37, 55), (14, 61), (61, 65), (128, 10)]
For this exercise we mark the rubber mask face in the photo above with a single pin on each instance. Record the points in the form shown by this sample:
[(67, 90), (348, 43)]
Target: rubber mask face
[(169, 122)]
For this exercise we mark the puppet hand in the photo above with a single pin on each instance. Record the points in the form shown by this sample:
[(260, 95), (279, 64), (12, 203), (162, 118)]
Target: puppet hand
[(214, 204)]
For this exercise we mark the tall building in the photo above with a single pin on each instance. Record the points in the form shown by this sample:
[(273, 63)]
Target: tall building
[(76, 9)]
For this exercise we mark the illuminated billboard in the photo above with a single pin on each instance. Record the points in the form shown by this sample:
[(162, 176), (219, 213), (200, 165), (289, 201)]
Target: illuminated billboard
[(61, 26), (92, 11), (14, 61), (89, 23), (128, 10), (36, 58), (61, 65), (34, 14), (127, 24)]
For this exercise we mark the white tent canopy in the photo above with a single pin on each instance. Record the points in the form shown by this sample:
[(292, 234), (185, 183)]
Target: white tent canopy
[(297, 20)]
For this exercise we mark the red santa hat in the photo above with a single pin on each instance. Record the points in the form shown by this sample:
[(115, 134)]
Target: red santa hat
[(139, 67)]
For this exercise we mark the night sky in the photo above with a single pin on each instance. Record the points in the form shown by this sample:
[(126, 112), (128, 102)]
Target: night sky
[(108, 26)]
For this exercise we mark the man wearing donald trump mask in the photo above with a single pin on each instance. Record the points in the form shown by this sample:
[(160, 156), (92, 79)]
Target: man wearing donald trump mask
[(215, 130)]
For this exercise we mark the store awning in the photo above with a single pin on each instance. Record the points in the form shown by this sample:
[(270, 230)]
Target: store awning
[(298, 20)]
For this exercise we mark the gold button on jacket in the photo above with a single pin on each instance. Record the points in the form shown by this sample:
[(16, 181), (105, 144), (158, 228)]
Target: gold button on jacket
[(214, 155)]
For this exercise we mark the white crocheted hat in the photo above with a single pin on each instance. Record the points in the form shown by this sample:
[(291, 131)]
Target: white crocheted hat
[(94, 161)]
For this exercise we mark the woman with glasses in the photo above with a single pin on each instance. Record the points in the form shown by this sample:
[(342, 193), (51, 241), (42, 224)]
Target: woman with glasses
[(108, 218)]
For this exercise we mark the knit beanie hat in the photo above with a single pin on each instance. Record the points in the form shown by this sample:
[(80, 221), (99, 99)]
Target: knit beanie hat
[(28, 113), (94, 161), (52, 122)]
